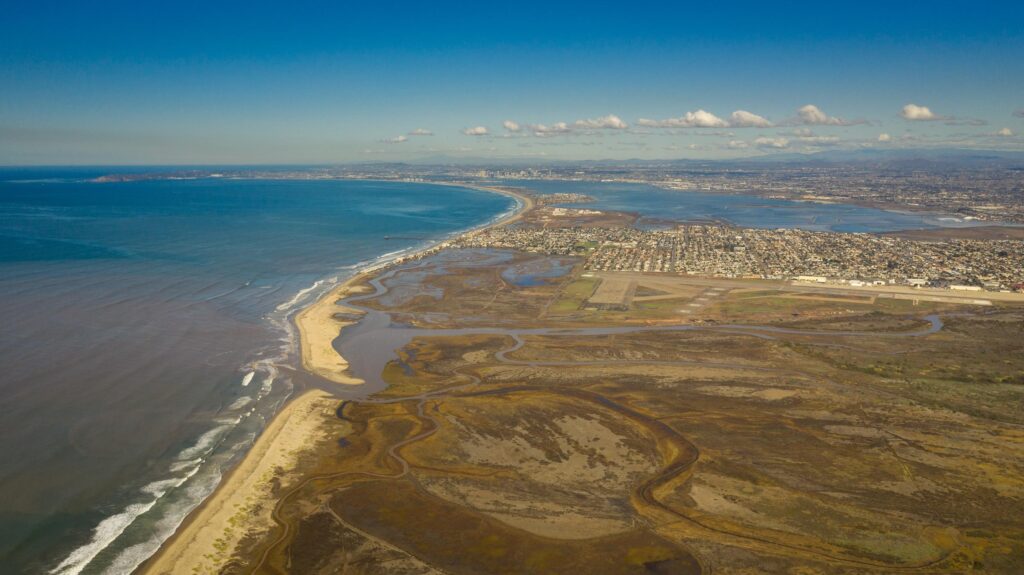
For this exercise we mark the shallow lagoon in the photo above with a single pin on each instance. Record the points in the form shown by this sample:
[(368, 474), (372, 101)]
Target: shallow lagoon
[(654, 203)]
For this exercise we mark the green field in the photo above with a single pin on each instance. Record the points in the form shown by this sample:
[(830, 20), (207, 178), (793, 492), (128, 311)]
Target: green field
[(574, 295)]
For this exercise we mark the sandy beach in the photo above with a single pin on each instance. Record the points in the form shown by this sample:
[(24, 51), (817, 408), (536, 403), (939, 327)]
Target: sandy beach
[(318, 327), (242, 504)]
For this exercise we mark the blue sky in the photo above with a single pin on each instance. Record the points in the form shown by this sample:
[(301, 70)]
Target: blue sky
[(322, 82)]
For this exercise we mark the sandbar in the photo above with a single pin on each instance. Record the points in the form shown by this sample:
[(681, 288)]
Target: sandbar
[(318, 327)]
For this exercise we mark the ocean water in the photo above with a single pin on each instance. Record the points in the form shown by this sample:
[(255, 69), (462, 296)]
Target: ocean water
[(658, 204), (144, 338)]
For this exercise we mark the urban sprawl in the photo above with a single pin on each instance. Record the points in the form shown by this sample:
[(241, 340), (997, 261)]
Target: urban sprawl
[(723, 251)]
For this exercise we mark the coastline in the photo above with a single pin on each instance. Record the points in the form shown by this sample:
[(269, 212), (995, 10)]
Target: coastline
[(239, 506), (216, 526), (318, 327)]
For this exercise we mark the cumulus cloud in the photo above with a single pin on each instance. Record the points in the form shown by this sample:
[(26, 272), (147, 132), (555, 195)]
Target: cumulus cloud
[(1005, 133), (738, 145), (476, 131), (884, 138), (813, 116), (609, 122), (777, 143), (1019, 113), (745, 119), (698, 119), (704, 119), (549, 130), (395, 140), (917, 113), (421, 132)]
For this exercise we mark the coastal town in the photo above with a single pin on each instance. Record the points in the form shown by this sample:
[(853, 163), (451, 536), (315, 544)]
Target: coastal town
[(990, 192), (979, 194), (821, 257)]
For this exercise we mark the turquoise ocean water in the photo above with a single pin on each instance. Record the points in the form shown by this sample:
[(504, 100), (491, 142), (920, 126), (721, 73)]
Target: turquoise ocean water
[(145, 340)]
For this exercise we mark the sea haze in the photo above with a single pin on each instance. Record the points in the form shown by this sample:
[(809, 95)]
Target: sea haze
[(145, 339)]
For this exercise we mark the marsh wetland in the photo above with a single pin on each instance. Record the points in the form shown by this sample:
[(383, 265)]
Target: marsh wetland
[(510, 427)]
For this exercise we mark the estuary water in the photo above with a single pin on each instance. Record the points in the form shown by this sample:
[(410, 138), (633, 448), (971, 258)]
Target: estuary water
[(145, 339), (744, 210)]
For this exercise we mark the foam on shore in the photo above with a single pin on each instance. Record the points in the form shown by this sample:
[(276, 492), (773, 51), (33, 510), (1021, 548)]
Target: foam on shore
[(173, 498)]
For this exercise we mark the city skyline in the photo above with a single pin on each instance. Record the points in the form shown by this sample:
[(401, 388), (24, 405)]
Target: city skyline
[(126, 84)]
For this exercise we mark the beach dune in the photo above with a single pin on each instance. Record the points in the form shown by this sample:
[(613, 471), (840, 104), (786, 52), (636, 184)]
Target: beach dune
[(243, 502)]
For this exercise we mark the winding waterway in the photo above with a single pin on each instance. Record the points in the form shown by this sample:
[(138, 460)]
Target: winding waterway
[(372, 343)]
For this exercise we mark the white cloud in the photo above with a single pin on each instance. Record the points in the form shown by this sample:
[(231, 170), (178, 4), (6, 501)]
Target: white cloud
[(421, 132), (546, 130), (704, 119), (777, 143), (1005, 133), (609, 122), (698, 119), (918, 113), (884, 138), (813, 116), (738, 145), (395, 140), (745, 119), (476, 131)]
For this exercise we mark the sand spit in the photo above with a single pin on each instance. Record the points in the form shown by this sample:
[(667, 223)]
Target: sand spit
[(318, 325), (243, 502), (318, 328)]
